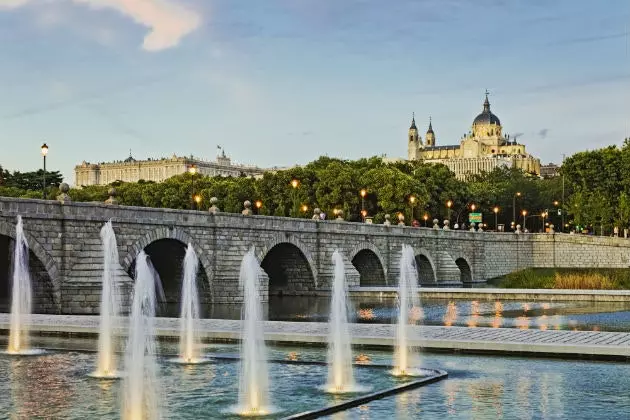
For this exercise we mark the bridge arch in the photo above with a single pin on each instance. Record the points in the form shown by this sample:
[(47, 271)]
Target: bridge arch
[(465, 269), (290, 267), (425, 266), (44, 271), (368, 261), (167, 247)]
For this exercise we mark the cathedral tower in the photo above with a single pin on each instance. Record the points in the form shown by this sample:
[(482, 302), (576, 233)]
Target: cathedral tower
[(414, 141), (430, 138)]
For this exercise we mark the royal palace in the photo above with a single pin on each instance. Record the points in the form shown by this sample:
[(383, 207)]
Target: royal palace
[(157, 170)]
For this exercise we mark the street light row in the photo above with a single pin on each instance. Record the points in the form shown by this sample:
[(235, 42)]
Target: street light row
[(295, 183)]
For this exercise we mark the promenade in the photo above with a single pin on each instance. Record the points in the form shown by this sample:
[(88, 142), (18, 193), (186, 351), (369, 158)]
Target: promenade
[(487, 293), (564, 343)]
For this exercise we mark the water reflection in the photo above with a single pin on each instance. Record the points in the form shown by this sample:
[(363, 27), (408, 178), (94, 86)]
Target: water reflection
[(451, 314), (608, 316), (543, 322), (474, 314), (31, 398), (498, 316)]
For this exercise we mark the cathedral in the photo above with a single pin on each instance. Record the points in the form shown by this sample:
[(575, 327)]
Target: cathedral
[(484, 148)]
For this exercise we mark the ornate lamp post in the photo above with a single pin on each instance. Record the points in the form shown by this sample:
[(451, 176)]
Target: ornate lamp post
[(412, 204), (363, 192), (193, 171), (524, 213), (258, 205), (517, 194), (425, 217), (496, 212), (44, 153), (197, 200), (295, 184), (449, 204)]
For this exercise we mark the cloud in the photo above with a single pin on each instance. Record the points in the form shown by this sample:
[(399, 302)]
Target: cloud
[(168, 21)]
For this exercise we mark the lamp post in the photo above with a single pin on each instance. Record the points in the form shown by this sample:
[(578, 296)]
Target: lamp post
[(562, 213), (197, 201), (496, 219), (44, 153), (193, 171), (517, 194), (449, 204), (412, 204), (258, 205), (363, 192), (295, 184), (524, 213), (425, 217)]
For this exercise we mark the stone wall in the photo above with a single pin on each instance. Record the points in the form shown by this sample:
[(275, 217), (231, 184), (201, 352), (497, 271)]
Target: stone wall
[(296, 253)]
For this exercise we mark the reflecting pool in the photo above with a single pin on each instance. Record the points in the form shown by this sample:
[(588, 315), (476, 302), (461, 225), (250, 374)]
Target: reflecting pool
[(579, 316), (56, 386)]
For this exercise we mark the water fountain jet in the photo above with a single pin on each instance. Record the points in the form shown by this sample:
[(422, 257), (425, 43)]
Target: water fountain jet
[(140, 383), (340, 374), (21, 297), (110, 307), (409, 312), (189, 340), (253, 399)]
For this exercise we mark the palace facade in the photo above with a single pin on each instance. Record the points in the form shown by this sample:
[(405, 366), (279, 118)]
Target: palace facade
[(484, 148), (158, 170)]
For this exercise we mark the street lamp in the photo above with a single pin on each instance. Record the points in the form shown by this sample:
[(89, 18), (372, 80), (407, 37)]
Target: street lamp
[(524, 213), (258, 205), (449, 204), (517, 194), (425, 217), (363, 192), (44, 153), (295, 183), (193, 171), (496, 213), (197, 200), (412, 204)]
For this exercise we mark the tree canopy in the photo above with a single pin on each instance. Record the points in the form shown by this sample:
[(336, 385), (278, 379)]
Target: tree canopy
[(596, 191)]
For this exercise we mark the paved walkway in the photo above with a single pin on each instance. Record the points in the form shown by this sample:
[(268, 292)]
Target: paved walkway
[(486, 293), (501, 340)]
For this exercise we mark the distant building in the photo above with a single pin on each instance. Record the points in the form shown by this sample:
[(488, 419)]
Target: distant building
[(484, 148), (158, 170), (549, 170)]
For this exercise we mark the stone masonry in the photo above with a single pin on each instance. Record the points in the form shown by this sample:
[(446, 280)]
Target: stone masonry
[(295, 253)]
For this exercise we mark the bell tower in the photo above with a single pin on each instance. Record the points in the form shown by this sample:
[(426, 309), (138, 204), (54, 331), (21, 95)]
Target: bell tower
[(430, 138), (414, 142)]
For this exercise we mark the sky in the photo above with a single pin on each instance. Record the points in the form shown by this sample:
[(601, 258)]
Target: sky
[(282, 82)]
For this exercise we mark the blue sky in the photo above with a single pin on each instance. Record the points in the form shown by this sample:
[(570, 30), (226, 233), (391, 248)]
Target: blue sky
[(281, 82)]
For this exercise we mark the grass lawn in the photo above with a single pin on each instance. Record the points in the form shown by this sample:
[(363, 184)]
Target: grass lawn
[(565, 278)]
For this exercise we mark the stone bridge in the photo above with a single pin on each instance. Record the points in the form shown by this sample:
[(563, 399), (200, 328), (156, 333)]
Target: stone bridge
[(296, 254)]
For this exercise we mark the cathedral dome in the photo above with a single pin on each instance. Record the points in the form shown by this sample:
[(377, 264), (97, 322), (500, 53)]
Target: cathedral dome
[(486, 117)]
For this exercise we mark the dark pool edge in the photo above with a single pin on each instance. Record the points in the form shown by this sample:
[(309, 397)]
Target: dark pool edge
[(355, 402)]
